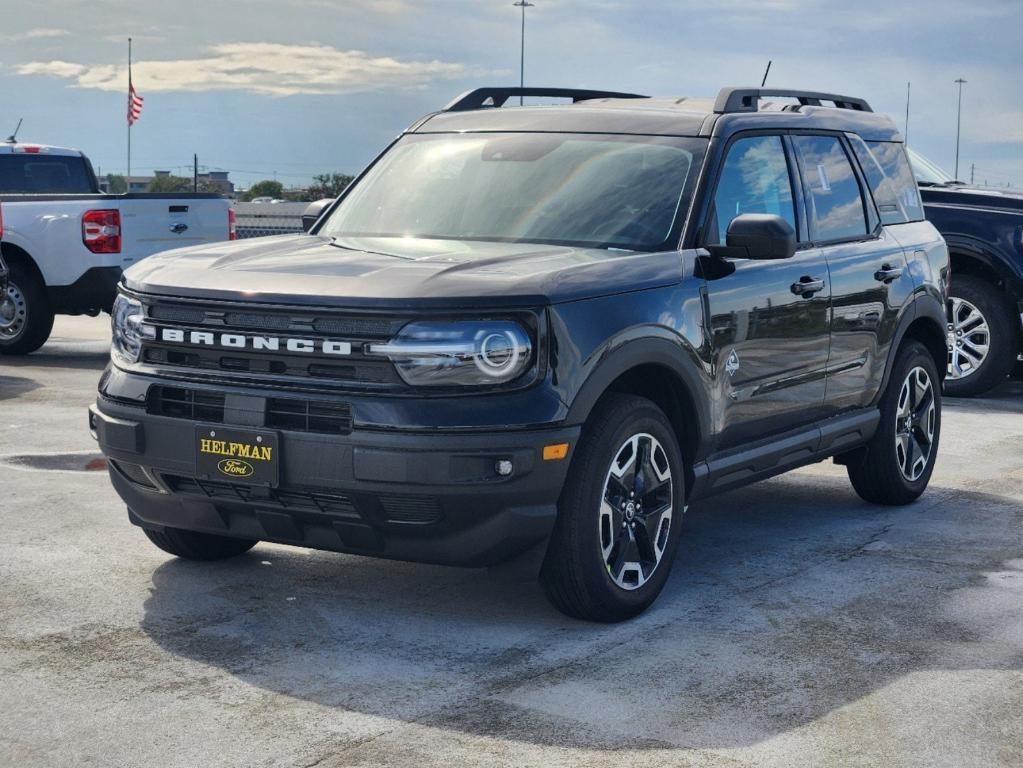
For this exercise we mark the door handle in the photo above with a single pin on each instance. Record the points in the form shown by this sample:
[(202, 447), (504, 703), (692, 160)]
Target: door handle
[(178, 227), (887, 274), (807, 287)]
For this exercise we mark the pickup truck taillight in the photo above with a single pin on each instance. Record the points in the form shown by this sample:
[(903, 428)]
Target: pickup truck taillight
[(232, 229), (101, 231)]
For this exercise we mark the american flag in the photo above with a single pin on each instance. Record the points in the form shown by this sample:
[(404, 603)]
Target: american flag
[(134, 103)]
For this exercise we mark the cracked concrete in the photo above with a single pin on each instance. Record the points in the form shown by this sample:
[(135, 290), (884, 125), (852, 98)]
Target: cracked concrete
[(800, 627)]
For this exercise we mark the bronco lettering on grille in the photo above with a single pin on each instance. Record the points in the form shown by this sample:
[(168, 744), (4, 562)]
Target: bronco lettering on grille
[(241, 341)]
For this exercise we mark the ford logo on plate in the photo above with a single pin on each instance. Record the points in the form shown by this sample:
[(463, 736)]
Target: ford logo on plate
[(235, 468)]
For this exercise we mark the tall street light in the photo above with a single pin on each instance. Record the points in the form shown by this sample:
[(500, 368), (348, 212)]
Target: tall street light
[(523, 4), (959, 120)]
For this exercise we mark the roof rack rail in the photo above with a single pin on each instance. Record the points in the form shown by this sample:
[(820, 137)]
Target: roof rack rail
[(745, 99), (478, 98)]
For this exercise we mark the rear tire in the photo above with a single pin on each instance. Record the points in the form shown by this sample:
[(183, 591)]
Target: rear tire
[(609, 557), (985, 337), (192, 545), (895, 467), (26, 317)]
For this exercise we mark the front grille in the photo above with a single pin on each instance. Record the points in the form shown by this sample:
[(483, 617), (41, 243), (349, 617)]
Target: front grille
[(288, 414), (335, 504), (306, 416), (261, 321), (177, 314), (134, 473), (192, 404), (272, 326), (416, 510)]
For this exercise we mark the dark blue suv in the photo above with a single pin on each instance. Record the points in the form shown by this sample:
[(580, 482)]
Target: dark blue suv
[(534, 335)]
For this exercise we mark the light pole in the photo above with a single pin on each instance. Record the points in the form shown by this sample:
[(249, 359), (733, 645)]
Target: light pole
[(523, 4), (959, 120)]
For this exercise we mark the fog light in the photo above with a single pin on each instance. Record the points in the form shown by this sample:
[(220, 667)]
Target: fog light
[(503, 467)]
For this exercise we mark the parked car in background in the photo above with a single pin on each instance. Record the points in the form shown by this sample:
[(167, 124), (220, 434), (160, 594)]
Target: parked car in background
[(983, 227), (65, 243), (536, 334)]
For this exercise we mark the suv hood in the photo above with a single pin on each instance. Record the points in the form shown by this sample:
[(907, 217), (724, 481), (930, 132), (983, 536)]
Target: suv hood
[(310, 269)]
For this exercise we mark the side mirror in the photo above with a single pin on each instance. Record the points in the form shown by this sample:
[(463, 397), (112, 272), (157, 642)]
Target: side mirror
[(757, 236), (312, 212)]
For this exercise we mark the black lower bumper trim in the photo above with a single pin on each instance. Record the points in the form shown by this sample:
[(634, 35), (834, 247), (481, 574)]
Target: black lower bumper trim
[(430, 498)]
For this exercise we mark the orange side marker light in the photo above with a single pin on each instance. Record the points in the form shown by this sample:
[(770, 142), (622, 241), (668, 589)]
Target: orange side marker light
[(555, 452)]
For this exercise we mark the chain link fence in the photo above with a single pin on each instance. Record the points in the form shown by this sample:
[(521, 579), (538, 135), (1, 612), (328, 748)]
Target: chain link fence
[(262, 219)]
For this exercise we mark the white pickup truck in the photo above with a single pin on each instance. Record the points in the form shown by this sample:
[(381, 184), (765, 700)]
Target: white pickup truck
[(65, 243)]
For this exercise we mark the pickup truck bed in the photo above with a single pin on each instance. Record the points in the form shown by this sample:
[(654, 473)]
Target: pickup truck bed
[(66, 243), (49, 229)]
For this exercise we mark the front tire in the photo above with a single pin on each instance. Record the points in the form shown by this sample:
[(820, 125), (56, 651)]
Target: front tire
[(192, 545), (896, 465), (620, 514), (984, 337), (26, 317)]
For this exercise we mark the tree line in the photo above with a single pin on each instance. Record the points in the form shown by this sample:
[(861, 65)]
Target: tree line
[(324, 185)]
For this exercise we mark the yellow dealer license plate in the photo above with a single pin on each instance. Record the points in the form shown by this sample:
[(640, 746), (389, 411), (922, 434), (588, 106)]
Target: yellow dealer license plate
[(239, 456)]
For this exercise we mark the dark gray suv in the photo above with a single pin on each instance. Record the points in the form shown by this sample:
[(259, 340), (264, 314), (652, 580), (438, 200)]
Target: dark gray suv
[(536, 334)]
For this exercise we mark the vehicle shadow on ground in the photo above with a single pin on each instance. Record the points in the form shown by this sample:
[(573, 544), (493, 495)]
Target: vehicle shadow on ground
[(787, 601), (76, 360), (1007, 397), (13, 386)]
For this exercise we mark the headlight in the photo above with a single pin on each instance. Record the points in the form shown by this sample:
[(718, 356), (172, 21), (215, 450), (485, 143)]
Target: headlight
[(126, 319), (459, 352)]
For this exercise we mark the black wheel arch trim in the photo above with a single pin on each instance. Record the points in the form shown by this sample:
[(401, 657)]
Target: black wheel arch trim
[(923, 308), (668, 352), (989, 255)]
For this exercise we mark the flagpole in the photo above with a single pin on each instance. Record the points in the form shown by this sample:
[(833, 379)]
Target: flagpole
[(128, 178)]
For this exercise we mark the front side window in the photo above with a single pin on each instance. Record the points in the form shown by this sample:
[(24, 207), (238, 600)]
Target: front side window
[(895, 190), (833, 193), (600, 191), (754, 179)]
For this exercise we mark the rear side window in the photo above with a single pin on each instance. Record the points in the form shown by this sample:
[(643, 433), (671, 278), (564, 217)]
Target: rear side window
[(754, 179), (43, 174), (834, 197), (891, 180)]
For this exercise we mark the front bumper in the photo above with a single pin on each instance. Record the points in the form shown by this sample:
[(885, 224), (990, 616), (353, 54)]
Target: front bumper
[(426, 497)]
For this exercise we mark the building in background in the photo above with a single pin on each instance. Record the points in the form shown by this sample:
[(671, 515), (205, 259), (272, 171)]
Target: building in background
[(210, 181)]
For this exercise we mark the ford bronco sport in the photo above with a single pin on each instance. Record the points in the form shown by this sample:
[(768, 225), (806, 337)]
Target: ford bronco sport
[(536, 334)]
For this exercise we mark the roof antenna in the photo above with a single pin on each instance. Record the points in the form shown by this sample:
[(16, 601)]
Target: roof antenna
[(13, 138), (766, 73)]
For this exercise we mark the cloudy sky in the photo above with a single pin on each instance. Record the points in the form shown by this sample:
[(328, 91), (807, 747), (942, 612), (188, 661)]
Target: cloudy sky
[(307, 86)]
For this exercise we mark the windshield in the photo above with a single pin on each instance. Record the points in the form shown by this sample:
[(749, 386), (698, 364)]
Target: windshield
[(927, 172), (568, 189)]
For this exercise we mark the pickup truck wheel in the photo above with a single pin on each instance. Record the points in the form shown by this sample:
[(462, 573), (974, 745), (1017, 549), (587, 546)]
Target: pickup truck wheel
[(620, 514), (896, 465), (192, 545), (26, 318), (983, 337)]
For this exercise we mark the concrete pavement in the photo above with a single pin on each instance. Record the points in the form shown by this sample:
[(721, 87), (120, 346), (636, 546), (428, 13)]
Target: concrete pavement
[(800, 626)]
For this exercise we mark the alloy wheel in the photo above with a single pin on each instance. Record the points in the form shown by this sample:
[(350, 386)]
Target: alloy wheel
[(636, 511), (914, 424), (968, 338), (13, 313)]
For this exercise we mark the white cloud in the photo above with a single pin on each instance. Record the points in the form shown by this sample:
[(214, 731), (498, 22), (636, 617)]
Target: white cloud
[(267, 68), (38, 33), (55, 68)]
